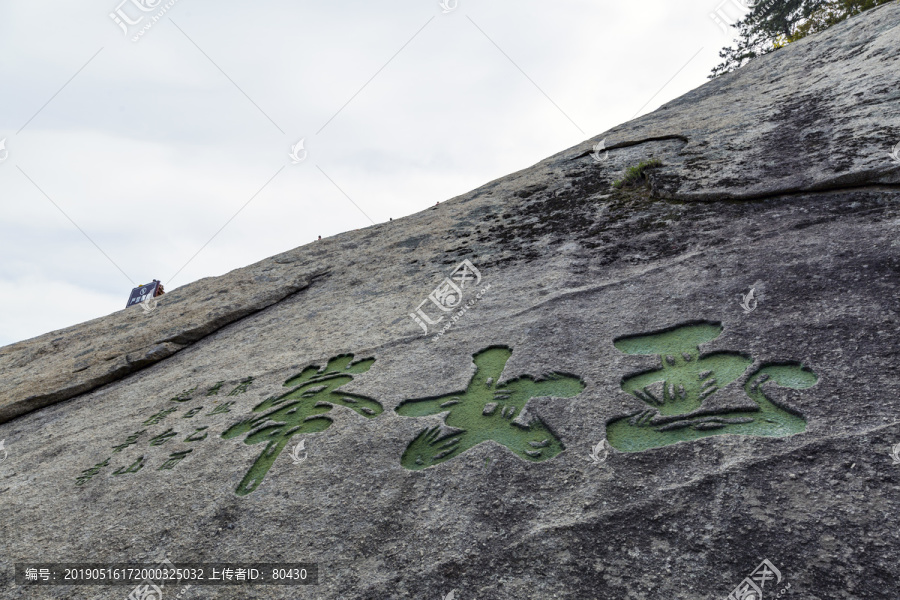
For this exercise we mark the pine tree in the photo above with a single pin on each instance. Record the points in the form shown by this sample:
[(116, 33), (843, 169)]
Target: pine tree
[(772, 24)]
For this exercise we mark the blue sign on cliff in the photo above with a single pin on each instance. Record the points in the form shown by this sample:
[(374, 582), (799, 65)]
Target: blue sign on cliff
[(148, 290)]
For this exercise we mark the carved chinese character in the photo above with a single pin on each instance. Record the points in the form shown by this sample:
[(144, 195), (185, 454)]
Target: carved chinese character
[(299, 411), (221, 409), (191, 413), (162, 438), (185, 395), (174, 459), (196, 437), (134, 468), (241, 387), (129, 441), (488, 410), (155, 419), (88, 473), (677, 391)]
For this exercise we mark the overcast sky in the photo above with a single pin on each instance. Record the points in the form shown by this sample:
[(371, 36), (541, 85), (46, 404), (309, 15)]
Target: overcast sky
[(124, 158)]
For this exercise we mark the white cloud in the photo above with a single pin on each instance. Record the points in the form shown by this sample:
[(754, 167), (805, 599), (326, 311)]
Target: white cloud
[(150, 149), (58, 304)]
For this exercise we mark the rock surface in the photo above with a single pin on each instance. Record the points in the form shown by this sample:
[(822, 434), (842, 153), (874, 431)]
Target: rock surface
[(470, 458), (62, 364)]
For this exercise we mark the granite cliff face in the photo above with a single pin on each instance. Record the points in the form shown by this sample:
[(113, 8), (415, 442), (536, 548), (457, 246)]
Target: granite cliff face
[(548, 387)]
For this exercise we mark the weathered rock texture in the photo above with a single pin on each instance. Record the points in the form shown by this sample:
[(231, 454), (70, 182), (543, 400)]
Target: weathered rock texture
[(66, 363), (776, 178)]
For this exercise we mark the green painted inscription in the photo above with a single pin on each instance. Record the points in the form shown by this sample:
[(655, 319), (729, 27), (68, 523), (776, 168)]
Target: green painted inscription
[(241, 387), (675, 393), (131, 440), (223, 408), (159, 420), (185, 395), (158, 417), (487, 410), (300, 410), (174, 459), (136, 466), (87, 474)]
